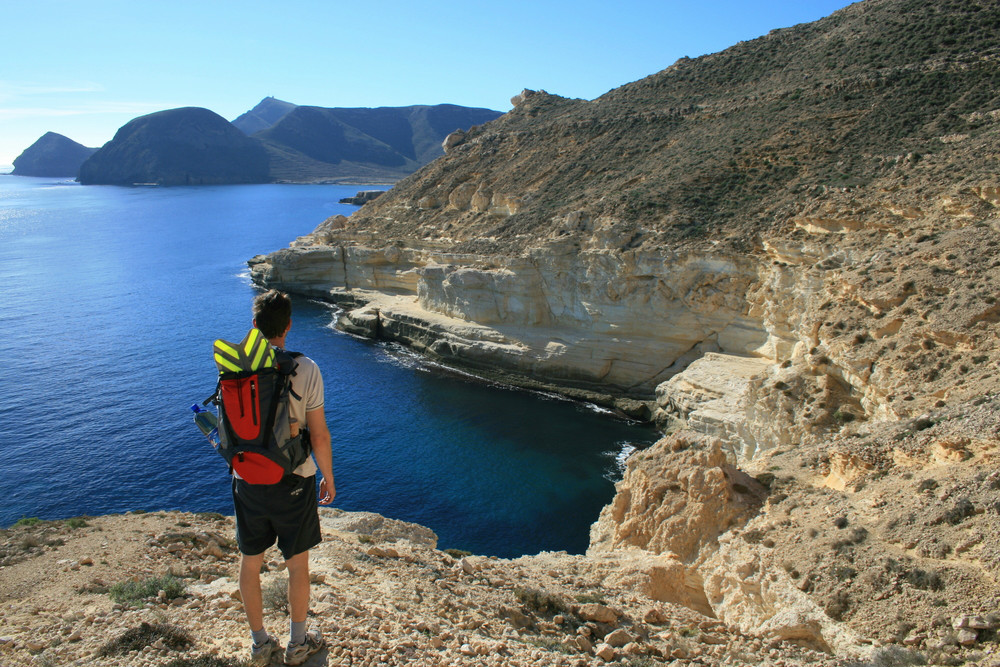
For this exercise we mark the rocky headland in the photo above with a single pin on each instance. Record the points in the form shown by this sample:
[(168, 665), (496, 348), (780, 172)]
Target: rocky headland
[(784, 254), (187, 146), (52, 155)]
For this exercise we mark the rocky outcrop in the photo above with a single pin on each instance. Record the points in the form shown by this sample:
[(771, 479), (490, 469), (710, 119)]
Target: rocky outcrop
[(188, 146), (362, 198), (52, 155)]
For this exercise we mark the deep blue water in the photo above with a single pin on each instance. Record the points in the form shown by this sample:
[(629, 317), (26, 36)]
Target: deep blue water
[(110, 299)]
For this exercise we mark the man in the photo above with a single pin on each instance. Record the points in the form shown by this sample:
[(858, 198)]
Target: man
[(285, 512)]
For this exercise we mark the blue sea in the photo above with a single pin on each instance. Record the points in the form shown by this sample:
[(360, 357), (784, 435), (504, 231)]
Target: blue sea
[(110, 299)]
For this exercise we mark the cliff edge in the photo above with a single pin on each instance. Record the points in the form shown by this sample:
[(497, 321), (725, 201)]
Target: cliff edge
[(162, 589)]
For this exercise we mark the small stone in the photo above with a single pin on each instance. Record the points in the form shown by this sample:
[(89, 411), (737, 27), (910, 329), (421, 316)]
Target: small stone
[(618, 638), (466, 649), (584, 644), (597, 612), (605, 652), (967, 637), (654, 616), (632, 648)]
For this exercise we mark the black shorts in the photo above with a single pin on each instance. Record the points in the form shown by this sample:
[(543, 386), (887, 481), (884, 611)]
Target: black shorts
[(286, 512)]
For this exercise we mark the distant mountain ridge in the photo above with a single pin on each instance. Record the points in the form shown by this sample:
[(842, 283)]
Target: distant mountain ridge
[(386, 143), (298, 144), (267, 112), (52, 155)]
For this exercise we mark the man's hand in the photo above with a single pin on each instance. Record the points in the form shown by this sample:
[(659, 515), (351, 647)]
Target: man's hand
[(327, 491)]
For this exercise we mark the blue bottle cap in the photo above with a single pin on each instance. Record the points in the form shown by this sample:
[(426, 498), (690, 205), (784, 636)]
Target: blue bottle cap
[(195, 408)]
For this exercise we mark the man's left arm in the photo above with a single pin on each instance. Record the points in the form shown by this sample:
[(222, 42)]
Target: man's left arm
[(319, 436)]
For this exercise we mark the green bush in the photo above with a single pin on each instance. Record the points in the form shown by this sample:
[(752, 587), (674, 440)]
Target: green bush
[(28, 521), (135, 592), (77, 522)]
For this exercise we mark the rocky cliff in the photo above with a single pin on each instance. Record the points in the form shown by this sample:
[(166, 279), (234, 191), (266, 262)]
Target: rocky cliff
[(784, 254), (52, 155)]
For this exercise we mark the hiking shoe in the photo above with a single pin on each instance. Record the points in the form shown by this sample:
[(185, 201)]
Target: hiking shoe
[(260, 654), (296, 654)]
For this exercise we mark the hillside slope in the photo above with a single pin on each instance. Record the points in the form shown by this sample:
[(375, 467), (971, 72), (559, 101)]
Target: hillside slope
[(385, 143)]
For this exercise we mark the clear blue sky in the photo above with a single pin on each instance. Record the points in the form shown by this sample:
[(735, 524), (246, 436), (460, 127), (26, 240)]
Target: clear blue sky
[(84, 68)]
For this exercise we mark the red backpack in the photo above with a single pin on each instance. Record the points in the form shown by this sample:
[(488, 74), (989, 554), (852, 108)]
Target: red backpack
[(255, 386)]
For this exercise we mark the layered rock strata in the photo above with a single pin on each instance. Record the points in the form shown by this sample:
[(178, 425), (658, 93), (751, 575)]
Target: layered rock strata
[(599, 323)]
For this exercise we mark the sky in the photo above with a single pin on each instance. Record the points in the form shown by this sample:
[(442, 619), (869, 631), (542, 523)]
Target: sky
[(85, 68)]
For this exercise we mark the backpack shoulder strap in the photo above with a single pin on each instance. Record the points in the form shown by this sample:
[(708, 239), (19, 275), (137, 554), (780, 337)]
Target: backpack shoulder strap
[(285, 363)]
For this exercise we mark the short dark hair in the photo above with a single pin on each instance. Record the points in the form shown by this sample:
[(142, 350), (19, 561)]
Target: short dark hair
[(272, 311)]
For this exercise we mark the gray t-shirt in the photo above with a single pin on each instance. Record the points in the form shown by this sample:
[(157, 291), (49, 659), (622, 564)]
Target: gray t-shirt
[(307, 383)]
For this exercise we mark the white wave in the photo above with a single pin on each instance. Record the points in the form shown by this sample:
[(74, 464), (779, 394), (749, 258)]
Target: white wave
[(616, 472)]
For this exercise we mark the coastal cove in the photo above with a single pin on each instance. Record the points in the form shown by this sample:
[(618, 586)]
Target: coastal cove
[(112, 298)]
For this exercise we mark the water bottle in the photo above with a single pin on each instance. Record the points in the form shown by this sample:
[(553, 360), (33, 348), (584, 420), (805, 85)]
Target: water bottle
[(208, 423)]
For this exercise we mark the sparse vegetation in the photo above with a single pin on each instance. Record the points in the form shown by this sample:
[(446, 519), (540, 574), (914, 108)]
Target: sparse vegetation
[(590, 598), (207, 661), (27, 521), (457, 553), (145, 635), (892, 656), (539, 601), (136, 592), (275, 593)]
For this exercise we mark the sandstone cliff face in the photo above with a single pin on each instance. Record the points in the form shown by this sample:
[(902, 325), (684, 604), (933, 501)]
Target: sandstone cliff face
[(602, 321)]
